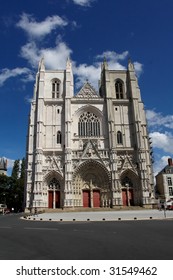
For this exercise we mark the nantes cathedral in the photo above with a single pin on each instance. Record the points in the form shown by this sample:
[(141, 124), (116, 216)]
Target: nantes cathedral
[(88, 149)]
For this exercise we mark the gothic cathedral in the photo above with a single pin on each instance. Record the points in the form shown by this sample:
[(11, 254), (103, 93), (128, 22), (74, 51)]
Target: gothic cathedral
[(88, 149)]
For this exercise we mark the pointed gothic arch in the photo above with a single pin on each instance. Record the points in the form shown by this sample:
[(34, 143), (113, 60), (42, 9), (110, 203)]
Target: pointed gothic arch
[(119, 89), (55, 88), (88, 122), (92, 184), (119, 137), (53, 182), (130, 188)]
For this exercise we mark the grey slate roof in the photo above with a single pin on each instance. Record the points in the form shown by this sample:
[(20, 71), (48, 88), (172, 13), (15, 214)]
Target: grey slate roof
[(168, 169)]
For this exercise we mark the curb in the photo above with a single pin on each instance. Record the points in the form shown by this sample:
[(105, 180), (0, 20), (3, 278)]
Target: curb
[(90, 220)]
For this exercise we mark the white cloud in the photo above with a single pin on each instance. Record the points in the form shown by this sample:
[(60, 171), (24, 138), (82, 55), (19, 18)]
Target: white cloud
[(54, 58), (6, 73), (87, 72), (83, 2), (157, 119), (10, 163), (40, 29), (92, 72), (138, 68), (162, 141), (112, 56)]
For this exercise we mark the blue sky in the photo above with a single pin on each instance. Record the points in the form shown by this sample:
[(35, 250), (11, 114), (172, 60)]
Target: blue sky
[(86, 30)]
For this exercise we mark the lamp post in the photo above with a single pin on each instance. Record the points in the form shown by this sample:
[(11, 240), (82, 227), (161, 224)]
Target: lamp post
[(4, 200), (164, 208), (14, 208)]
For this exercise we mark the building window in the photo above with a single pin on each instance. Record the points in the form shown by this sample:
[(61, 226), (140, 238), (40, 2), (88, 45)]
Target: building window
[(59, 137), (88, 125), (119, 89), (170, 191), (169, 181), (119, 138), (55, 89)]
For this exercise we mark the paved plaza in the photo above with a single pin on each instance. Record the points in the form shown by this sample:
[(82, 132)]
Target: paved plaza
[(103, 215)]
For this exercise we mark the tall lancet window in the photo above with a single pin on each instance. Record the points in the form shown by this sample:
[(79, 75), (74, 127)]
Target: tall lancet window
[(55, 88), (89, 125), (59, 137), (119, 89), (119, 138)]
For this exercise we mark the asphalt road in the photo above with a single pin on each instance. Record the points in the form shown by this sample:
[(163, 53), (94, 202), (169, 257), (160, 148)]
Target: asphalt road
[(120, 240)]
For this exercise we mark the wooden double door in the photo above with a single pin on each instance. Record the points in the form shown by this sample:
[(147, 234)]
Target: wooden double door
[(91, 200), (127, 197), (54, 199)]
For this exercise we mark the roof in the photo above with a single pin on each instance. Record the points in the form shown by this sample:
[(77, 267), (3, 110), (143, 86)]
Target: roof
[(168, 169), (87, 91)]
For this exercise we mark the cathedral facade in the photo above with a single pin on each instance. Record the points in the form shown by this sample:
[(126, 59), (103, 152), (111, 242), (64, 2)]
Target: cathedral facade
[(88, 149)]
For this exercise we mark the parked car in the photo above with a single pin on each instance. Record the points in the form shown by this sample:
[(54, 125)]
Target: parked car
[(6, 211), (169, 205), (2, 208)]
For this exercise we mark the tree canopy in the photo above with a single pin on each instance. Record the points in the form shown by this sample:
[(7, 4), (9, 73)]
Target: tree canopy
[(12, 187)]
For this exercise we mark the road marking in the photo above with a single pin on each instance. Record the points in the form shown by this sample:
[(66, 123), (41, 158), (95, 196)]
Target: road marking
[(5, 227), (40, 228), (83, 230)]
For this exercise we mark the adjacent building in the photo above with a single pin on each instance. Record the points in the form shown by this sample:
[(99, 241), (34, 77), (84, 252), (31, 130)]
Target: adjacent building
[(164, 182), (3, 166), (88, 148)]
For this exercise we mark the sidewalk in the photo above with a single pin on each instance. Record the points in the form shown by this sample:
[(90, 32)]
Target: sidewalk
[(102, 215)]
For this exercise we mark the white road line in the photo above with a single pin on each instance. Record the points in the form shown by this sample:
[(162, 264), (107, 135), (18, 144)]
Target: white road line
[(5, 227), (40, 228)]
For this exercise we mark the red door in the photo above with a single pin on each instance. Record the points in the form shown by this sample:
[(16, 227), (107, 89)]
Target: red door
[(86, 198), (96, 198), (50, 202), (124, 196), (57, 199), (131, 197)]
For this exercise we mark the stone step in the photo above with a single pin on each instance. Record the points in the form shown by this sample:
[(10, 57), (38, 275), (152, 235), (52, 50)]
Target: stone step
[(83, 209)]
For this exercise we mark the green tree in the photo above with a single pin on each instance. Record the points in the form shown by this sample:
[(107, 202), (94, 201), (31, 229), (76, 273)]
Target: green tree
[(3, 188), (6, 186), (16, 169), (12, 188)]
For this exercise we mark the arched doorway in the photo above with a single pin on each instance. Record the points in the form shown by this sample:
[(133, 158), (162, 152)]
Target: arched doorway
[(130, 188), (54, 194), (53, 185), (86, 197), (92, 183)]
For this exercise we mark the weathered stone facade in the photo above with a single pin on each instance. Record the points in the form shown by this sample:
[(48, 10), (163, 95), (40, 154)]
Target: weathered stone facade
[(89, 149)]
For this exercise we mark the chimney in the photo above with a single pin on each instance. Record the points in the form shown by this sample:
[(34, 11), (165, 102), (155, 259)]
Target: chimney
[(170, 161)]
